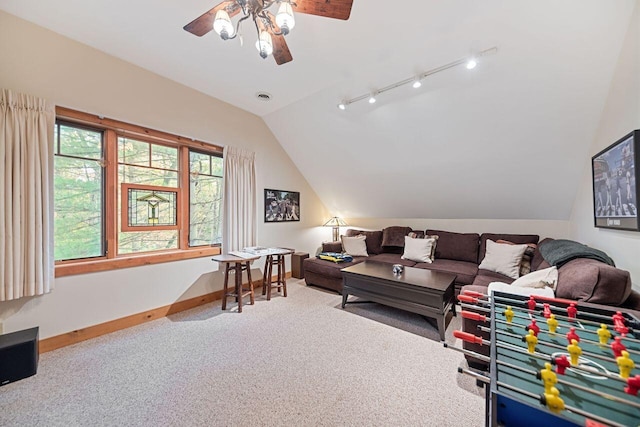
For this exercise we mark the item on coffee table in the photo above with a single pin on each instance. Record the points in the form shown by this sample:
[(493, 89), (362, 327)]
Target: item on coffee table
[(397, 268)]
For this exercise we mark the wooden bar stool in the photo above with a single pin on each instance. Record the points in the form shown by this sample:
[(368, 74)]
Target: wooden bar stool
[(277, 259), (237, 264)]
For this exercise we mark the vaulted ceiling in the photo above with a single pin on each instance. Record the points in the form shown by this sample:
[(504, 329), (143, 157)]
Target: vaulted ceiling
[(509, 139)]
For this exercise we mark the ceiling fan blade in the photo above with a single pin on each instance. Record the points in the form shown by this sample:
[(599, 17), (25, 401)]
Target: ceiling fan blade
[(204, 23), (281, 52), (338, 9)]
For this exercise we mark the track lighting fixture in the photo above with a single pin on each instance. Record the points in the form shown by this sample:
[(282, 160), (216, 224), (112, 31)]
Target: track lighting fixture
[(416, 81)]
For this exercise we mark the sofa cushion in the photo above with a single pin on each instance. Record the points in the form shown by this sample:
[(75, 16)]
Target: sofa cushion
[(389, 258), (332, 247), (456, 246), (419, 250), (373, 239), (525, 263), (394, 236), (485, 277), (593, 281), (328, 268), (464, 271), (538, 259), (518, 239), (355, 245), (503, 258)]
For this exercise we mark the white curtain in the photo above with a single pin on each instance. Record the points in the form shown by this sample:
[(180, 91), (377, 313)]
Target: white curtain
[(26, 202), (240, 213)]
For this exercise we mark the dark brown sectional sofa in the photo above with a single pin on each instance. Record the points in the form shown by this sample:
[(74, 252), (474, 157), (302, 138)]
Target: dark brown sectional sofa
[(461, 253), (581, 279)]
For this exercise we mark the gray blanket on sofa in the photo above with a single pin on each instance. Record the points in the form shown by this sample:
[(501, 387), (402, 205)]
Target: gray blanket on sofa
[(559, 252)]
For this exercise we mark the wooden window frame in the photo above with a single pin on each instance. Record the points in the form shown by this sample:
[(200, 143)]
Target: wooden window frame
[(112, 129)]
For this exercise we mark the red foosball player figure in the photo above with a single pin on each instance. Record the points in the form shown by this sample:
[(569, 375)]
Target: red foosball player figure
[(571, 335), (618, 323), (572, 311), (617, 347), (552, 323), (633, 385), (604, 335), (546, 310), (562, 363), (574, 352), (533, 326), (531, 303)]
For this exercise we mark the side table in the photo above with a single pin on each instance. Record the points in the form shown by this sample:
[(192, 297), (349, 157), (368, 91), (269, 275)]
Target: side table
[(238, 264), (297, 260)]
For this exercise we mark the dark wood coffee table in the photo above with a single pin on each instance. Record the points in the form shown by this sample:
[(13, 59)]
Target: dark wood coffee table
[(429, 293)]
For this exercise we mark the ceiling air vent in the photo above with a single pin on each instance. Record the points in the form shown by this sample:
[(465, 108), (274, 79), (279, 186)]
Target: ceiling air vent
[(263, 96)]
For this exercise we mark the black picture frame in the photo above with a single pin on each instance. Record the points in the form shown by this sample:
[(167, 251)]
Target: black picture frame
[(615, 191), (281, 205)]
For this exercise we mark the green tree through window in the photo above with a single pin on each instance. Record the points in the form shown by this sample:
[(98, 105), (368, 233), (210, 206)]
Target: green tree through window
[(78, 192)]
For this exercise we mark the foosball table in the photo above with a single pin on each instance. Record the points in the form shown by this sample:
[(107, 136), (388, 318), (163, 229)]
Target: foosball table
[(555, 362)]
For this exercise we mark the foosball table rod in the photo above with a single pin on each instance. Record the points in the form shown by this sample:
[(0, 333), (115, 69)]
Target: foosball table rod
[(534, 373), (475, 297), (549, 344), (465, 336), (539, 398), (481, 318)]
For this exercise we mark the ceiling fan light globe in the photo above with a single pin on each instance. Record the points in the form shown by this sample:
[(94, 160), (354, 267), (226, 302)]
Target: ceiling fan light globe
[(222, 24), (264, 44), (285, 19)]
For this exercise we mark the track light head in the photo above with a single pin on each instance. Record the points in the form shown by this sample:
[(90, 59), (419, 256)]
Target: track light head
[(372, 98), (471, 64), (342, 106), (417, 83)]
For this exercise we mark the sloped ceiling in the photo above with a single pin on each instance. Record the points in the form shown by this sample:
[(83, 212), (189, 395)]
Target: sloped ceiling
[(508, 139)]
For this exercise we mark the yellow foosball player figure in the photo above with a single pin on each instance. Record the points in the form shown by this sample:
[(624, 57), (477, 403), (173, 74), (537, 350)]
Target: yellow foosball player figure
[(508, 314), (552, 323), (574, 352), (604, 335), (553, 400), (625, 364), (531, 341), (548, 377)]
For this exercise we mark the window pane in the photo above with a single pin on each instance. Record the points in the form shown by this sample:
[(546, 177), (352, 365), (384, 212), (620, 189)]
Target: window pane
[(145, 241), (79, 142), (133, 152), (136, 152), (199, 163), (138, 175), (164, 157), (77, 208), (205, 196), (216, 165)]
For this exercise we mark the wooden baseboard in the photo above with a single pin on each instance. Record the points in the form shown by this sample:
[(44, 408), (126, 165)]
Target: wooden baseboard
[(79, 335)]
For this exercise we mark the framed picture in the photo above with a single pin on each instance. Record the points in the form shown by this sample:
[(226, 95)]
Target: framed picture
[(615, 190), (281, 206)]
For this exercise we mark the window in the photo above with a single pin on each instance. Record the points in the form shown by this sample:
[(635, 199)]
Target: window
[(78, 192), (205, 197), (126, 195)]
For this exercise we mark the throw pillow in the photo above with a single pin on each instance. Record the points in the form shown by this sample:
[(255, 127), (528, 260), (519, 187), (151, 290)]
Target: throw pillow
[(538, 279), (421, 235), (503, 259), (355, 246), (503, 287), (394, 236), (418, 250), (525, 266)]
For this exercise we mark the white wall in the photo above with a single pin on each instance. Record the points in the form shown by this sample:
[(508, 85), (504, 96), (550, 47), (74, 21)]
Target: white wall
[(620, 116), (45, 64)]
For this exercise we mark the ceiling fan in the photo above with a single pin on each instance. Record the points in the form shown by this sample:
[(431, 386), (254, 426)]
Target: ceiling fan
[(270, 29)]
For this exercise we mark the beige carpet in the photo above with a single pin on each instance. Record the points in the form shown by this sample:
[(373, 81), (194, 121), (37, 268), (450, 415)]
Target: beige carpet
[(298, 361)]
